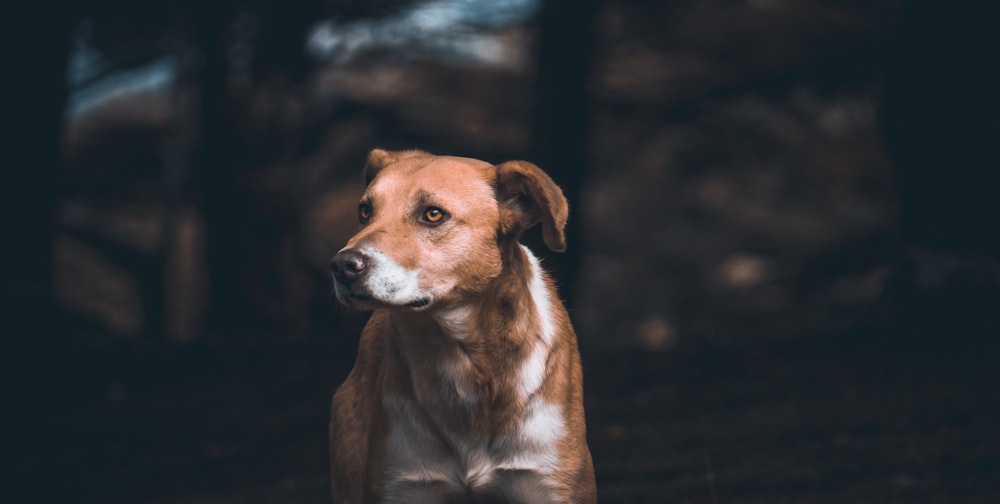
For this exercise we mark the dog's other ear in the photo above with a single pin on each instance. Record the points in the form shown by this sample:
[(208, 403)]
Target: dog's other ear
[(377, 159), (528, 196), (380, 158)]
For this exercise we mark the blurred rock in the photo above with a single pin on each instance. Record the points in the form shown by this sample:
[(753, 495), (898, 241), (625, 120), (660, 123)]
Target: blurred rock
[(741, 271)]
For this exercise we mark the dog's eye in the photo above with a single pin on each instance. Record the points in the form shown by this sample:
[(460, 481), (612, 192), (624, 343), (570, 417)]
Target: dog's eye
[(364, 212), (434, 215)]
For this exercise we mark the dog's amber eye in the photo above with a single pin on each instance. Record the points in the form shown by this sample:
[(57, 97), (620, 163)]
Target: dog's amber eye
[(433, 215), (364, 212)]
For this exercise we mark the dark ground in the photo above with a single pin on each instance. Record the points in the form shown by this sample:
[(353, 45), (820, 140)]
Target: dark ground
[(834, 420), (749, 330)]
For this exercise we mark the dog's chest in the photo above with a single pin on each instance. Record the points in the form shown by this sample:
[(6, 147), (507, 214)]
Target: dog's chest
[(429, 463)]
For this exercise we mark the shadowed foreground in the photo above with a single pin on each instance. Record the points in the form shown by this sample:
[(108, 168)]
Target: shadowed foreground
[(786, 422)]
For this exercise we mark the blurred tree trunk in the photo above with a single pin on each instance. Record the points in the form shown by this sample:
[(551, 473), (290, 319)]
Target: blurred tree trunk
[(32, 178), (939, 120), (33, 325), (224, 202), (246, 209), (562, 120), (282, 43)]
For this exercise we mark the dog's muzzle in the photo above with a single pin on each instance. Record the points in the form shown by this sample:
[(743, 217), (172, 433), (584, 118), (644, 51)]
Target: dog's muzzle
[(363, 276)]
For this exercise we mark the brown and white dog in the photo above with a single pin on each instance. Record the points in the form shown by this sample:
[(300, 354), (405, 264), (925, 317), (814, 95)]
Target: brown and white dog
[(467, 385)]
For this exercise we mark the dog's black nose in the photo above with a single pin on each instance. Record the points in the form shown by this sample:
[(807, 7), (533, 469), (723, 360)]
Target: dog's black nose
[(348, 265)]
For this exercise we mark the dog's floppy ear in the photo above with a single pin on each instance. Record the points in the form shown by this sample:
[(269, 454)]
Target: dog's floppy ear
[(380, 158), (528, 196)]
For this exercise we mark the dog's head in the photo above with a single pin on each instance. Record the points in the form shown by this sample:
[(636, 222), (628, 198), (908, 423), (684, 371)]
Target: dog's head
[(435, 229)]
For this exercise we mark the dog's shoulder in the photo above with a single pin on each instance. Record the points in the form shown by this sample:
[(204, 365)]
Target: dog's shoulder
[(371, 351), (354, 424)]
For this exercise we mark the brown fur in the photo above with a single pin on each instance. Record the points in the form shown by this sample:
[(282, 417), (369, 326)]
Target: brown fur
[(415, 354)]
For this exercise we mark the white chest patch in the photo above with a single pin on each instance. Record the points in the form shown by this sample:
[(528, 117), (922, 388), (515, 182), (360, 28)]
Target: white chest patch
[(532, 372), (426, 465), (456, 322)]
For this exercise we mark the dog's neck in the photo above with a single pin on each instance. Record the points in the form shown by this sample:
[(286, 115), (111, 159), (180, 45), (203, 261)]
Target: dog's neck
[(478, 364)]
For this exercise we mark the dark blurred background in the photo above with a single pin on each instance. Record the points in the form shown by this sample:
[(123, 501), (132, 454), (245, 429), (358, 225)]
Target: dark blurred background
[(783, 255)]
